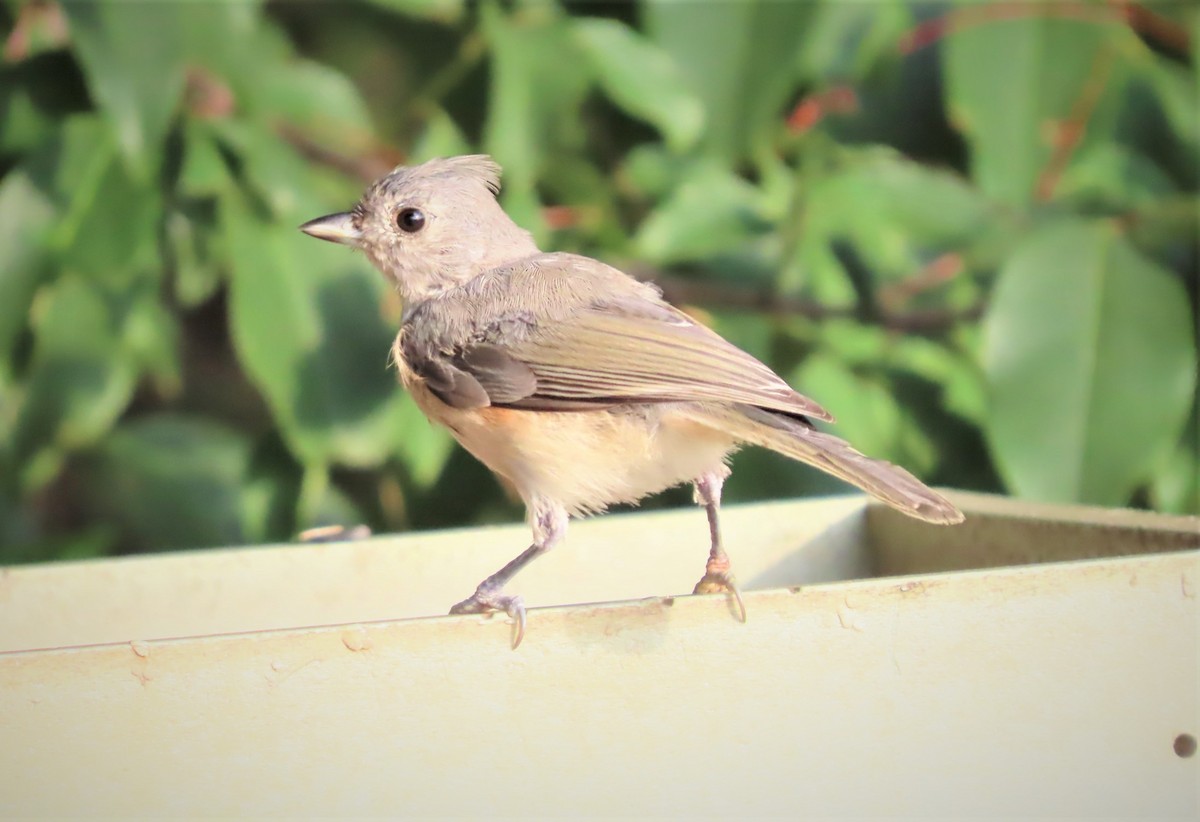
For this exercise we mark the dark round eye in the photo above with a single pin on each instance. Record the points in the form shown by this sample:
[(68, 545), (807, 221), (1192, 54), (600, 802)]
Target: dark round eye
[(411, 220)]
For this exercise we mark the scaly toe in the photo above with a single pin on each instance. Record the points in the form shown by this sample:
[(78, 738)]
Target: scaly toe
[(721, 582)]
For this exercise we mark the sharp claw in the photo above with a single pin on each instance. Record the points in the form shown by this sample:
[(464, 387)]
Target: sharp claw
[(737, 595), (716, 582), (516, 610)]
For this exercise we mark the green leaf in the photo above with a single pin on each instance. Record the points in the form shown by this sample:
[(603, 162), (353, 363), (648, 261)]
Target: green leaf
[(869, 347), (712, 210), (26, 218), (150, 335), (1176, 485), (1011, 84), (423, 448), (306, 327), (230, 39), (108, 229), (196, 274), (34, 99), (130, 55), (739, 58), (291, 186), (747, 330), (935, 207), (532, 112), (21, 539), (205, 172), (641, 79), (846, 40), (652, 171), (1113, 176), (1195, 37), (814, 269), (1177, 90), (442, 11), (1090, 358), (867, 415), (335, 507), (892, 211), (962, 383), (17, 530), (316, 98), (441, 138), (173, 482), (81, 376)]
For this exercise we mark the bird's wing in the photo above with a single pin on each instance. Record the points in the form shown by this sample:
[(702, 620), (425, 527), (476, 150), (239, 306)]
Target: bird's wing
[(632, 350), (625, 348)]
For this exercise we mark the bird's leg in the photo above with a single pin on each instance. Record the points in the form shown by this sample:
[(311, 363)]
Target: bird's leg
[(717, 577), (549, 525)]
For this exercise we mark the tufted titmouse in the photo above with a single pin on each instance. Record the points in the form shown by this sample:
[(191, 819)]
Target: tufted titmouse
[(571, 380)]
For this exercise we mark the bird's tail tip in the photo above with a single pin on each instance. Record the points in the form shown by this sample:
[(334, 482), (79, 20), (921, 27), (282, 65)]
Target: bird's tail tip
[(937, 510)]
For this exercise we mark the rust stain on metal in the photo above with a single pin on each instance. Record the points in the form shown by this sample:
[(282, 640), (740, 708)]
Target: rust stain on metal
[(619, 619), (1185, 746), (141, 652), (912, 587)]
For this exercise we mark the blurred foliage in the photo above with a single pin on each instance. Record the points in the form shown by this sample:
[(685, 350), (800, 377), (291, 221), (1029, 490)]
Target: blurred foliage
[(969, 230)]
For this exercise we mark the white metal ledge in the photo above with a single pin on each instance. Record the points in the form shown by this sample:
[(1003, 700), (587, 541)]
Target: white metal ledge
[(1034, 661)]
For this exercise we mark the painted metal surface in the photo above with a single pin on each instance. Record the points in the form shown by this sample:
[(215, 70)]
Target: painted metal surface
[(1054, 688)]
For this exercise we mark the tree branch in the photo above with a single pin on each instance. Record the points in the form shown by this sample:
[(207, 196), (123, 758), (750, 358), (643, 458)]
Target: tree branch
[(365, 169), (1069, 133), (696, 290), (1135, 15), (930, 322)]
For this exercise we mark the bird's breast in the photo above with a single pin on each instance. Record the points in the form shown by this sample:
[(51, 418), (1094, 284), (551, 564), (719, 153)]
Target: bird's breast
[(584, 460)]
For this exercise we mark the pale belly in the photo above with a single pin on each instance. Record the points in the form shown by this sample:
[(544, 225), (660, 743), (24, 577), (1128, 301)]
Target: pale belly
[(585, 460)]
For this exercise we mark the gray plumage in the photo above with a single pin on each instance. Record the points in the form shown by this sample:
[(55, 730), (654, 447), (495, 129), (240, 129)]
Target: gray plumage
[(576, 383), (602, 339)]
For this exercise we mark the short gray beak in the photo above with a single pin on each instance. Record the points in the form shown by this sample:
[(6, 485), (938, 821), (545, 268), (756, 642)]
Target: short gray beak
[(336, 228)]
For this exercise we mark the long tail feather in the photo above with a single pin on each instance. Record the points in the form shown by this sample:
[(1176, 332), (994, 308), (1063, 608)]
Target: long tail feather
[(882, 480)]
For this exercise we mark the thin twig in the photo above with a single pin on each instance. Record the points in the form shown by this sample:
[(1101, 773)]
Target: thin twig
[(365, 169), (1069, 134), (36, 21), (939, 271), (924, 322), (1155, 26), (837, 99), (1135, 15), (470, 52), (930, 31)]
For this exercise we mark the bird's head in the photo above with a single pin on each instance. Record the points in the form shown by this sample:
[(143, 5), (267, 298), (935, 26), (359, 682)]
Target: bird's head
[(430, 227)]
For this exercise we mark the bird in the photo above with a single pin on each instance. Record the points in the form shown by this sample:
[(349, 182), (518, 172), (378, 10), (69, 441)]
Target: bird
[(577, 384)]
